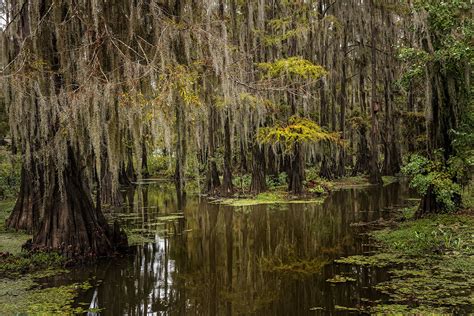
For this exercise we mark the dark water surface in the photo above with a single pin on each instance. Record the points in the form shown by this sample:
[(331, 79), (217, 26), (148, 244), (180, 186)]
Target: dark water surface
[(208, 259)]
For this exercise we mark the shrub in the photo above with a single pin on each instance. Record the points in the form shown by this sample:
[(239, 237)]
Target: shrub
[(434, 174), (9, 175)]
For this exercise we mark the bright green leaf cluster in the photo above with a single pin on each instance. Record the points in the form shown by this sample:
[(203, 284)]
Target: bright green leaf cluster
[(293, 67), (297, 131)]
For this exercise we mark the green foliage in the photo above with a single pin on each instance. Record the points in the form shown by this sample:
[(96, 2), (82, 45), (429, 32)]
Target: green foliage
[(293, 67), (30, 262), (462, 164), (277, 181), (417, 59), (9, 174), (315, 184), (451, 31), (297, 131), (242, 181), (160, 165), (442, 234), (434, 174)]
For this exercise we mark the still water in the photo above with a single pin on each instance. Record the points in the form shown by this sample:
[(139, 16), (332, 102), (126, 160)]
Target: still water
[(198, 258)]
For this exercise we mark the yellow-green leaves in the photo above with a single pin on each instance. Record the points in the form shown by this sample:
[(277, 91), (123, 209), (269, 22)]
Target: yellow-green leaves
[(292, 67), (298, 130)]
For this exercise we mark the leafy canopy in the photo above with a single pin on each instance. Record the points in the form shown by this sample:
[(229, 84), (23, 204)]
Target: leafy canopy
[(293, 67), (297, 131)]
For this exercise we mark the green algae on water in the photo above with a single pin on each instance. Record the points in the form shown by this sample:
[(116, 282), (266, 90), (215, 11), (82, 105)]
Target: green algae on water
[(25, 296)]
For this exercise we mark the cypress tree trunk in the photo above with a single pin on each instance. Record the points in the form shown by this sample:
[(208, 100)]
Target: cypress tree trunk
[(71, 224), (374, 172), (258, 183), (145, 171), (296, 174), (180, 148), (227, 188), (180, 113), (362, 156), (341, 162), (26, 212), (212, 179)]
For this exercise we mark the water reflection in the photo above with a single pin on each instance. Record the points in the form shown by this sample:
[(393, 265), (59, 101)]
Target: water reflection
[(219, 260)]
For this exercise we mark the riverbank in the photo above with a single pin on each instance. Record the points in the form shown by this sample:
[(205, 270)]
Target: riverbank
[(430, 263)]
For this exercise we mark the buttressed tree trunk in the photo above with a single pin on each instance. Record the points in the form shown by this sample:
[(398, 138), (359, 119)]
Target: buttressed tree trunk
[(71, 224), (26, 212)]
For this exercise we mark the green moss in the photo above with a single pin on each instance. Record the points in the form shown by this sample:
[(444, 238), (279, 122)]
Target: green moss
[(10, 241), (389, 179), (25, 296), (345, 308), (398, 309), (6, 207), (26, 262), (431, 263), (439, 234), (268, 198), (350, 182), (377, 260)]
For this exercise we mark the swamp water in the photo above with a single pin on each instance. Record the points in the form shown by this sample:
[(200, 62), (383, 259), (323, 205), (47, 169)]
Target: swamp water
[(199, 258)]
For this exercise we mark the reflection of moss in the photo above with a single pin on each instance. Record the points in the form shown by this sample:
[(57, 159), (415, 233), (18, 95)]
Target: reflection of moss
[(293, 267), (431, 262), (24, 296)]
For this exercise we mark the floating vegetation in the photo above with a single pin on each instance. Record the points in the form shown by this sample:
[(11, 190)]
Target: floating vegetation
[(25, 296), (345, 308), (268, 198), (28, 262), (340, 279), (431, 263)]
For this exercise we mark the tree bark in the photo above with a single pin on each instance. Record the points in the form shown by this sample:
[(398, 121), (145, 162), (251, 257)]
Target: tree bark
[(227, 188), (374, 172), (26, 212), (71, 224), (296, 172), (212, 180), (258, 183)]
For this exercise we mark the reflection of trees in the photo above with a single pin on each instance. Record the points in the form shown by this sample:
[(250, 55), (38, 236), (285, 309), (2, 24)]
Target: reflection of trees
[(215, 267), (226, 246)]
